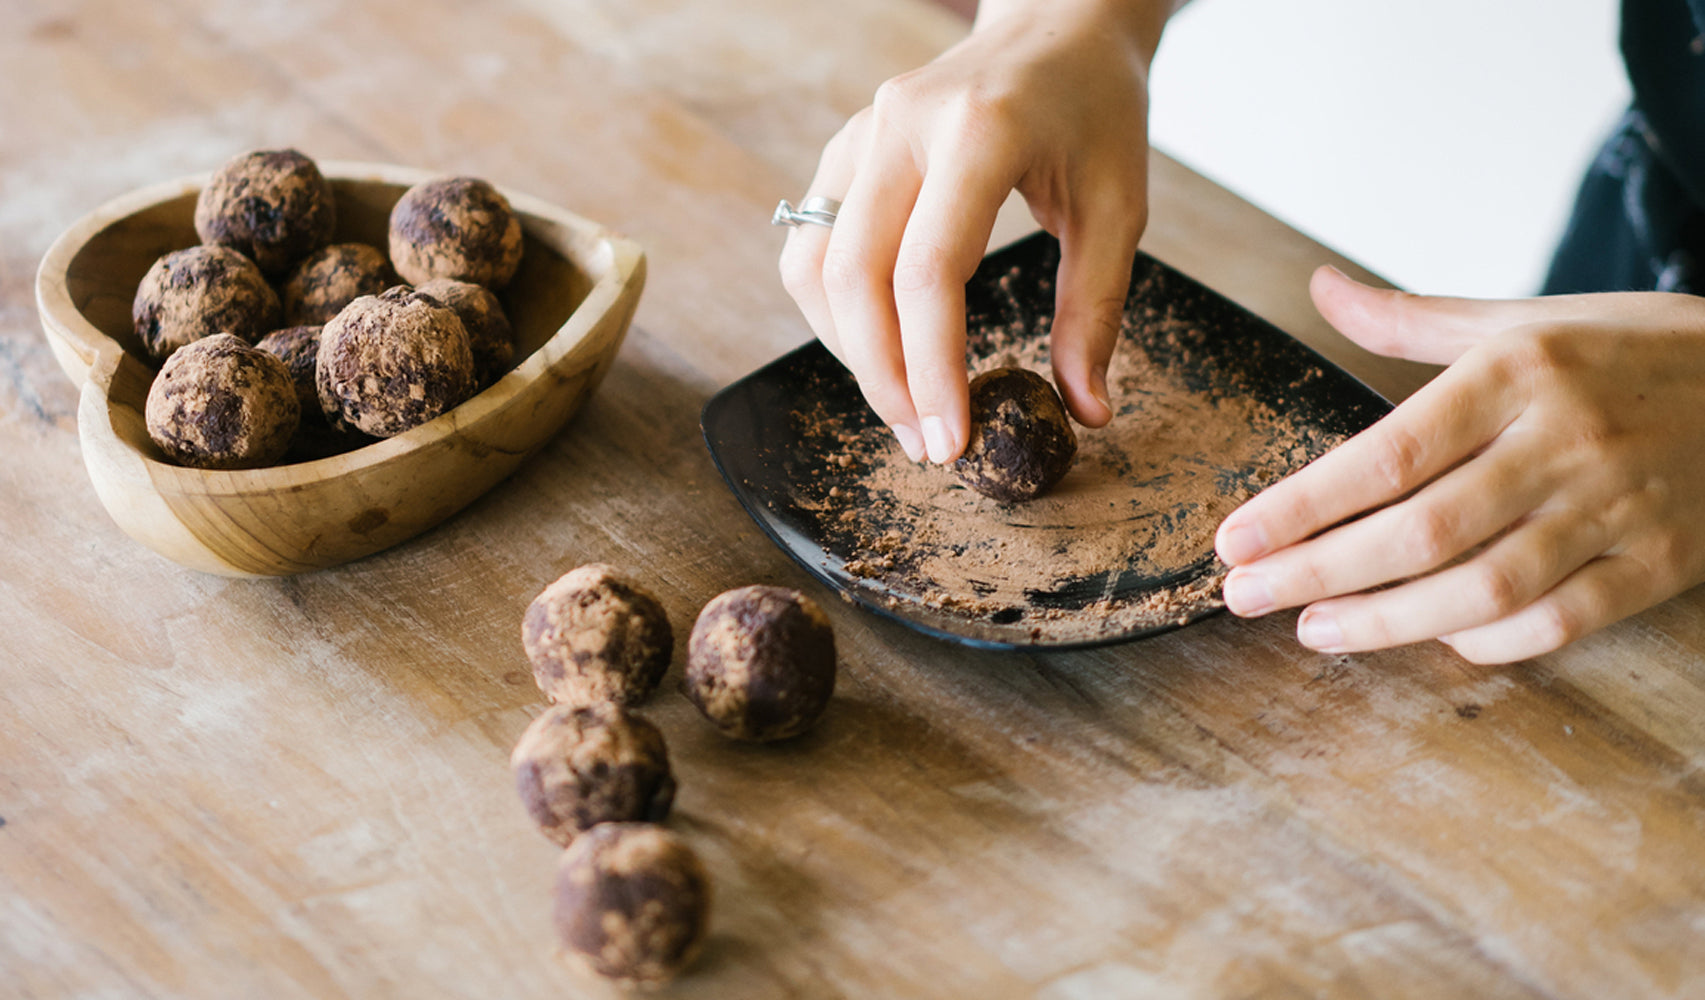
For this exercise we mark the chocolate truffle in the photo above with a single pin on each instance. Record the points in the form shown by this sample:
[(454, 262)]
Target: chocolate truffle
[(632, 903), (392, 361), (761, 663), (190, 294), (489, 335), (595, 635), (455, 227), (220, 404), (1021, 440), (580, 765), (272, 205), (332, 277), (299, 347)]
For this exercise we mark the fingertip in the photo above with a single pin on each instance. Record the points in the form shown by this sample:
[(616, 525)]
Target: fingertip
[(910, 441), (1240, 540), (942, 442)]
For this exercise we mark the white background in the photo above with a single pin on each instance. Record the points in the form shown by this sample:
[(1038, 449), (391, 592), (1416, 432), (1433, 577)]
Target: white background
[(1438, 143)]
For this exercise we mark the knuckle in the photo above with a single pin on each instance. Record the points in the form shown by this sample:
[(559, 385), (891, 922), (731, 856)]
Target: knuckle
[(1554, 626), (895, 97), (921, 267), (800, 274), (1428, 537), (1397, 458), (1494, 590), (843, 272)]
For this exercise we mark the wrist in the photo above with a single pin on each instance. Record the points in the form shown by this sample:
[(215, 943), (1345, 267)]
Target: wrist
[(1138, 22)]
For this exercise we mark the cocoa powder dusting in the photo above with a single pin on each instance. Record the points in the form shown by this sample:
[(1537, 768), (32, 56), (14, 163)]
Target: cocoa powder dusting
[(1122, 545)]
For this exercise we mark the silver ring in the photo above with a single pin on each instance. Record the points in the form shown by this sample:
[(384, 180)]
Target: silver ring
[(817, 211)]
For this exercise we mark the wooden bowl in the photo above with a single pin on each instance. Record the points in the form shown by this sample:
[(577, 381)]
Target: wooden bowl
[(570, 305)]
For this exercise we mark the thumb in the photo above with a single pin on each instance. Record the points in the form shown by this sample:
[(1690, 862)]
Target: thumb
[(1430, 329)]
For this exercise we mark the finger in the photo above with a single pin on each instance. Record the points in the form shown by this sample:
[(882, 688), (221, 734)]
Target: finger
[(944, 241), (1450, 516), (858, 283), (801, 261), (1509, 575), (1445, 421), (1426, 328), (1603, 591), (1096, 251)]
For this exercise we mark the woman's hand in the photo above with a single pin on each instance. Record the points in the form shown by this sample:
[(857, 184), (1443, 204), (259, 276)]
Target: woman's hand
[(1045, 96), (1549, 482)]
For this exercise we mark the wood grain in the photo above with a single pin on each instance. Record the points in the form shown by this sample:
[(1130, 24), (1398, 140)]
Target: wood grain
[(298, 787)]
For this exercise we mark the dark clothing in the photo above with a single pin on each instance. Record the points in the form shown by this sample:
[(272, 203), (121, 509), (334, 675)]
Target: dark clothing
[(1639, 220)]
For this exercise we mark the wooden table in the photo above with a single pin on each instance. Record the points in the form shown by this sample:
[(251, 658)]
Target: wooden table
[(299, 787)]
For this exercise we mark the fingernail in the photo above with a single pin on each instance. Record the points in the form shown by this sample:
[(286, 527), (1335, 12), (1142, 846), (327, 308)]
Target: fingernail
[(910, 443), (1098, 386), (1241, 543), (1318, 630), (940, 441), (1247, 593)]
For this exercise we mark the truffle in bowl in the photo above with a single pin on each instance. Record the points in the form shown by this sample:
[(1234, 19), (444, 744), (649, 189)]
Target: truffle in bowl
[(569, 304)]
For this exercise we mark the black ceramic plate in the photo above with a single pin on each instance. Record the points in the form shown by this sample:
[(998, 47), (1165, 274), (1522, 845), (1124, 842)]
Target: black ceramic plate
[(1212, 404)]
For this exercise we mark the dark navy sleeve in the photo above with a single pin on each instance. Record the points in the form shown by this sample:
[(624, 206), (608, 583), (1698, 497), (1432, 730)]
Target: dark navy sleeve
[(1637, 223)]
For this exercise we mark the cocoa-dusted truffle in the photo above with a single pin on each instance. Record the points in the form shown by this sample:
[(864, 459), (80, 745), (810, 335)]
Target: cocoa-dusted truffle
[(580, 765), (272, 205), (761, 663), (1021, 440), (632, 903), (489, 334), (299, 347), (220, 404), (455, 227), (332, 277), (392, 361), (198, 292), (596, 635)]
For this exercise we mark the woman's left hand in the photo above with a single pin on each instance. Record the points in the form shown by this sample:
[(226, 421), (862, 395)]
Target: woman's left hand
[(1549, 482)]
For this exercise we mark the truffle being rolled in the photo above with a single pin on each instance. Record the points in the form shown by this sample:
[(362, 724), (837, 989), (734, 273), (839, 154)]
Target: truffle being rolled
[(1021, 442)]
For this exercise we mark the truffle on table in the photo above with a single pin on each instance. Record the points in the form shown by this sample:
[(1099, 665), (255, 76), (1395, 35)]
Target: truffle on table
[(580, 765), (332, 277), (272, 205), (632, 903), (1021, 440), (221, 404), (455, 227), (761, 663), (596, 635), (392, 361), (198, 292), (489, 333)]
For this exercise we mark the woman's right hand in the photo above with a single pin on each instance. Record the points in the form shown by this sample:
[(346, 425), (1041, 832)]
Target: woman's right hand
[(1048, 97)]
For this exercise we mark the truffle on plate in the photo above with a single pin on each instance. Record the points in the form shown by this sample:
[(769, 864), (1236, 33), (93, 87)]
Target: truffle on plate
[(580, 765), (198, 292), (273, 205), (761, 663), (632, 903), (455, 227), (221, 404), (332, 277), (596, 635), (1021, 441), (392, 361), (489, 333)]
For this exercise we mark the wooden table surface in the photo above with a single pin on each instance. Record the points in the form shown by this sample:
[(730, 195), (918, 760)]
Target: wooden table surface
[(299, 787)]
